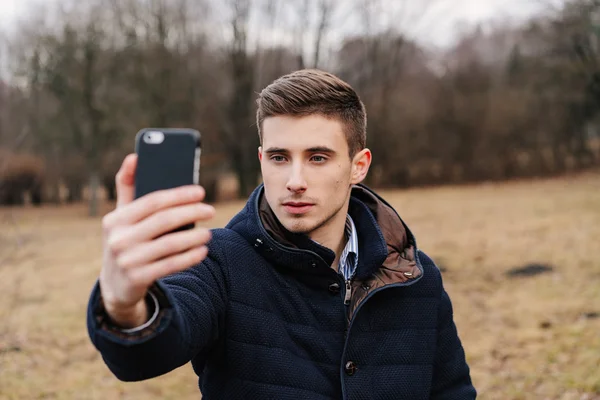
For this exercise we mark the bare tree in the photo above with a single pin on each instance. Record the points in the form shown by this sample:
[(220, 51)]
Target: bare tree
[(509, 101), (242, 141), (326, 9)]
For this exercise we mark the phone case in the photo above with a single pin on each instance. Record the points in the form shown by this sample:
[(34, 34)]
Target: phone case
[(173, 162)]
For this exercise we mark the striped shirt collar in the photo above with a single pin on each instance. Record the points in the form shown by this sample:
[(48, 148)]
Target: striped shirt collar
[(349, 256)]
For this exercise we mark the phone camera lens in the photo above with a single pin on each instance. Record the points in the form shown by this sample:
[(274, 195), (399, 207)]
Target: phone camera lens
[(154, 137)]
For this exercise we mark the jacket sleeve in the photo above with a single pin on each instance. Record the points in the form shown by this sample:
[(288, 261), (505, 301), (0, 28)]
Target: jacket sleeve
[(451, 374), (192, 306)]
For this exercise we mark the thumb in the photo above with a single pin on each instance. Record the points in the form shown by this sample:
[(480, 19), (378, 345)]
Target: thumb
[(125, 180)]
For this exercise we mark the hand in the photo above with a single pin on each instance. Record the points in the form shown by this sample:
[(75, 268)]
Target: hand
[(135, 252)]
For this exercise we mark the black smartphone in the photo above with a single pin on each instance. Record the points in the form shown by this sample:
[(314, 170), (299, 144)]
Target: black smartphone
[(167, 158)]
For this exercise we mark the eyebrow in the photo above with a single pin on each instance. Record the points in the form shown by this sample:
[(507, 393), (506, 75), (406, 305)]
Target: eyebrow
[(316, 149), (273, 150), (320, 149)]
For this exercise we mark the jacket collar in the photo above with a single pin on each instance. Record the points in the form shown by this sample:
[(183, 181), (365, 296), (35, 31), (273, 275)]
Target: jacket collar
[(383, 238)]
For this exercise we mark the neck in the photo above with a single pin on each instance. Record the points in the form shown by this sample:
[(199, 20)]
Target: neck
[(331, 235)]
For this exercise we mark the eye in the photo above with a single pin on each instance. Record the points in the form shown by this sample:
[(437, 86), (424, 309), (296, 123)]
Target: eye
[(318, 159), (277, 158)]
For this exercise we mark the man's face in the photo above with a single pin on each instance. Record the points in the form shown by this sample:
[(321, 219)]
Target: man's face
[(307, 171)]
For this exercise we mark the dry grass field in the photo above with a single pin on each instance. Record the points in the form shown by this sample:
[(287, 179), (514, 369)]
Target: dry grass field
[(526, 337)]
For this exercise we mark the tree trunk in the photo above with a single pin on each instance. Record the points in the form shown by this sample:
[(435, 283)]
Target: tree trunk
[(211, 191), (54, 192), (94, 185), (111, 191), (558, 158), (36, 195), (584, 157), (245, 172), (74, 192)]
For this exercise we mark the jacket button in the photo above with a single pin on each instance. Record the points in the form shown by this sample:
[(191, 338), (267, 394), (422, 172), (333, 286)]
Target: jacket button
[(350, 368), (334, 288)]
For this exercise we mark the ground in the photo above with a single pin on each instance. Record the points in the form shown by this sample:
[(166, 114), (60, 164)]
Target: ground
[(526, 337)]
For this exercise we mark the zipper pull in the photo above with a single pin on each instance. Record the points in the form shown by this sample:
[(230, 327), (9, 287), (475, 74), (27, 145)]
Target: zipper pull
[(348, 292)]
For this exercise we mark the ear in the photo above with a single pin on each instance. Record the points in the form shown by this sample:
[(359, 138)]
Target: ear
[(360, 166), (259, 153)]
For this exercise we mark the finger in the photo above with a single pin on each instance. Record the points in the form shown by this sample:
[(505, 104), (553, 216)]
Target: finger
[(158, 224), (151, 203), (174, 243), (170, 265), (125, 180)]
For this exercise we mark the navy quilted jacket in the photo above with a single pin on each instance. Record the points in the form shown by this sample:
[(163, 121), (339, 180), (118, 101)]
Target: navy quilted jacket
[(264, 317)]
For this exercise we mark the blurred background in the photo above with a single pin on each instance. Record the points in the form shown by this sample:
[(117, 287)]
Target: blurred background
[(483, 118)]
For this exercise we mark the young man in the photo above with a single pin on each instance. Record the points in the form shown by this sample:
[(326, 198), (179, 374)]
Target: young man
[(315, 290)]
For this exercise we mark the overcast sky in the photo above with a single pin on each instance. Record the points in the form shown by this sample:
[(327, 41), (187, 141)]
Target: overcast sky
[(474, 11), (438, 30)]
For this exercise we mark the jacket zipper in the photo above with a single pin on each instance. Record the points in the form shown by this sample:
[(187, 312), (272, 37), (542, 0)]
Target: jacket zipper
[(360, 306), (348, 294)]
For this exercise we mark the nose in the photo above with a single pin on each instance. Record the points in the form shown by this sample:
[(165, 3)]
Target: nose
[(296, 182)]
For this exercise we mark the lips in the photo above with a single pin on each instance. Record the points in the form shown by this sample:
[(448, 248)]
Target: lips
[(297, 208)]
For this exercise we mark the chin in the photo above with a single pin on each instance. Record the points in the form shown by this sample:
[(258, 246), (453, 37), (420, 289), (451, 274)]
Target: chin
[(297, 224)]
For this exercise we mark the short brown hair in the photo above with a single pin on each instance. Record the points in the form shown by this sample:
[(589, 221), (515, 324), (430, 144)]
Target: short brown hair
[(310, 91)]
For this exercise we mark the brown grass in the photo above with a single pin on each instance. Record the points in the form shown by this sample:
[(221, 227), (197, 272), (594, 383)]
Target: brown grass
[(525, 338)]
